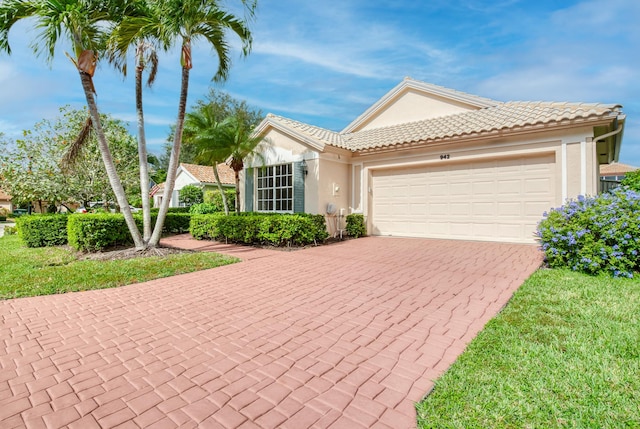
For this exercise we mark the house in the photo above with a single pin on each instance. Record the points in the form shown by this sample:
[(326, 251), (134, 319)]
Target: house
[(5, 201), (193, 174), (612, 174), (428, 161)]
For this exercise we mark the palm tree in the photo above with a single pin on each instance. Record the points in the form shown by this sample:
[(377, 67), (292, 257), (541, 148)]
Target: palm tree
[(146, 57), (202, 131), (184, 22), (240, 142), (83, 21)]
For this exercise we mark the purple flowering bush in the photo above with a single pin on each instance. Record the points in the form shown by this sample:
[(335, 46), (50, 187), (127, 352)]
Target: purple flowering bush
[(594, 234)]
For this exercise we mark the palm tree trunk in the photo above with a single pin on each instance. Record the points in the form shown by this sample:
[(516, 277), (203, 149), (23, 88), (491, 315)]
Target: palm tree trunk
[(219, 183), (237, 174), (173, 160), (114, 180), (142, 157)]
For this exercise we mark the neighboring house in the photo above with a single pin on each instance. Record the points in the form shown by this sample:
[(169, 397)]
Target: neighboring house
[(428, 161), (612, 174), (5, 201), (192, 174)]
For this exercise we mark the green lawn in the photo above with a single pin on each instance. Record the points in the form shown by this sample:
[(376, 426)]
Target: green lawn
[(565, 352), (44, 271)]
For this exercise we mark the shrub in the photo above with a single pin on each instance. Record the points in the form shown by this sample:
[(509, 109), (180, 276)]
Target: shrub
[(632, 180), (10, 230), (595, 234), (190, 195), (93, 232), (42, 230), (205, 208), (174, 222), (356, 226), (215, 198), (260, 228), (3, 218)]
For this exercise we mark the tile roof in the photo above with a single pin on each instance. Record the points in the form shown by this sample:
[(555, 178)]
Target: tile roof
[(511, 115), (616, 169), (204, 173)]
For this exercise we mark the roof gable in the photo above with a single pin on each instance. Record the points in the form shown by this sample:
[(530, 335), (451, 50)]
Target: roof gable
[(412, 100)]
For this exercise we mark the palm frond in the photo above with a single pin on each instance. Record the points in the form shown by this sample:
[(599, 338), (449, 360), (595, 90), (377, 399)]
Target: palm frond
[(75, 149)]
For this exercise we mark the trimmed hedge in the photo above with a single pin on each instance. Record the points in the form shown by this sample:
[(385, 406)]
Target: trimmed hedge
[(43, 229), (94, 232), (155, 210), (258, 228), (356, 226)]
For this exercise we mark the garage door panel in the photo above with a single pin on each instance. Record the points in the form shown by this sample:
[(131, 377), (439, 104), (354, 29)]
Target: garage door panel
[(487, 200)]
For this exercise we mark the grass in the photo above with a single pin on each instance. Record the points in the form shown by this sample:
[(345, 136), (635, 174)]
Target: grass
[(565, 353), (44, 271)]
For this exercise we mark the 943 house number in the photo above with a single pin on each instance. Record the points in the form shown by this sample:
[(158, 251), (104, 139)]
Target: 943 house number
[(444, 156)]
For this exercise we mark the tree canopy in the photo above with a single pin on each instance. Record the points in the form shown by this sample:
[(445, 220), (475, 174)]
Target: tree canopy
[(31, 167)]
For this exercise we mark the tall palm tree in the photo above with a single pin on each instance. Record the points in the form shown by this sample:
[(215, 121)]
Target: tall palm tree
[(184, 22), (146, 57), (83, 22), (202, 131)]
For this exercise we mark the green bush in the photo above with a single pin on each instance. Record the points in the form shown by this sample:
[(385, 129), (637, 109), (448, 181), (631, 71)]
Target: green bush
[(10, 230), (3, 218), (632, 180), (595, 234), (42, 230), (260, 228), (205, 208), (94, 232), (190, 195), (356, 226), (155, 210), (214, 198), (174, 222)]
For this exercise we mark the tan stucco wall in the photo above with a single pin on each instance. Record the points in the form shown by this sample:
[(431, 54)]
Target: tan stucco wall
[(414, 106)]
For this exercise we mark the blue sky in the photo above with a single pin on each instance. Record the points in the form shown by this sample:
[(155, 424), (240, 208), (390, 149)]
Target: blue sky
[(325, 62)]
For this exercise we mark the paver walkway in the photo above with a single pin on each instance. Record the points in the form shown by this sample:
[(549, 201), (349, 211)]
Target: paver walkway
[(348, 335)]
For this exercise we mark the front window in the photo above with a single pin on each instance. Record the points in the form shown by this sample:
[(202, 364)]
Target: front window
[(275, 188)]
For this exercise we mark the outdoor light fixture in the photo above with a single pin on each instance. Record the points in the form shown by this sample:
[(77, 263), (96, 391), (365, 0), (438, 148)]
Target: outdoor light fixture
[(304, 167)]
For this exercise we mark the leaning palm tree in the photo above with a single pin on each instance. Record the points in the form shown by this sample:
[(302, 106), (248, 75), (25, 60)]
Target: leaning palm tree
[(184, 22), (84, 23)]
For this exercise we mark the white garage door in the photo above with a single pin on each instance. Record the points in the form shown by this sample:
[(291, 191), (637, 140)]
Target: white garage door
[(497, 200)]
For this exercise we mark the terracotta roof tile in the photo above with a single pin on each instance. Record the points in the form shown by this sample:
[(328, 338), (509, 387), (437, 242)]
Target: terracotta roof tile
[(204, 173), (503, 116)]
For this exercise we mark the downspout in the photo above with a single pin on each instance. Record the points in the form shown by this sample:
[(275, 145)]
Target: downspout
[(612, 133)]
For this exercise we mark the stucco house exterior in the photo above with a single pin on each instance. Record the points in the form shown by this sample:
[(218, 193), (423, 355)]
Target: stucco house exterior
[(428, 161), (193, 174)]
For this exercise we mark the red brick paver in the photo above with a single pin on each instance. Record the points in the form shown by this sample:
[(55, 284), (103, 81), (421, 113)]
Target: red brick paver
[(345, 335)]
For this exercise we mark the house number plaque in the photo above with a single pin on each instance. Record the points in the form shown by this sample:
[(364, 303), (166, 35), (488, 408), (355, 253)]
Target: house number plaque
[(444, 156)]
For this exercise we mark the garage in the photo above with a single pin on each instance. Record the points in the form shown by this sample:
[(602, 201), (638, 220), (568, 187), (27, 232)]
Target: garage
[(496, 200)]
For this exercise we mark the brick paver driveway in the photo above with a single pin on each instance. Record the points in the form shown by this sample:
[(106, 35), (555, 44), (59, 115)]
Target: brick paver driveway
[(349, 335)]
